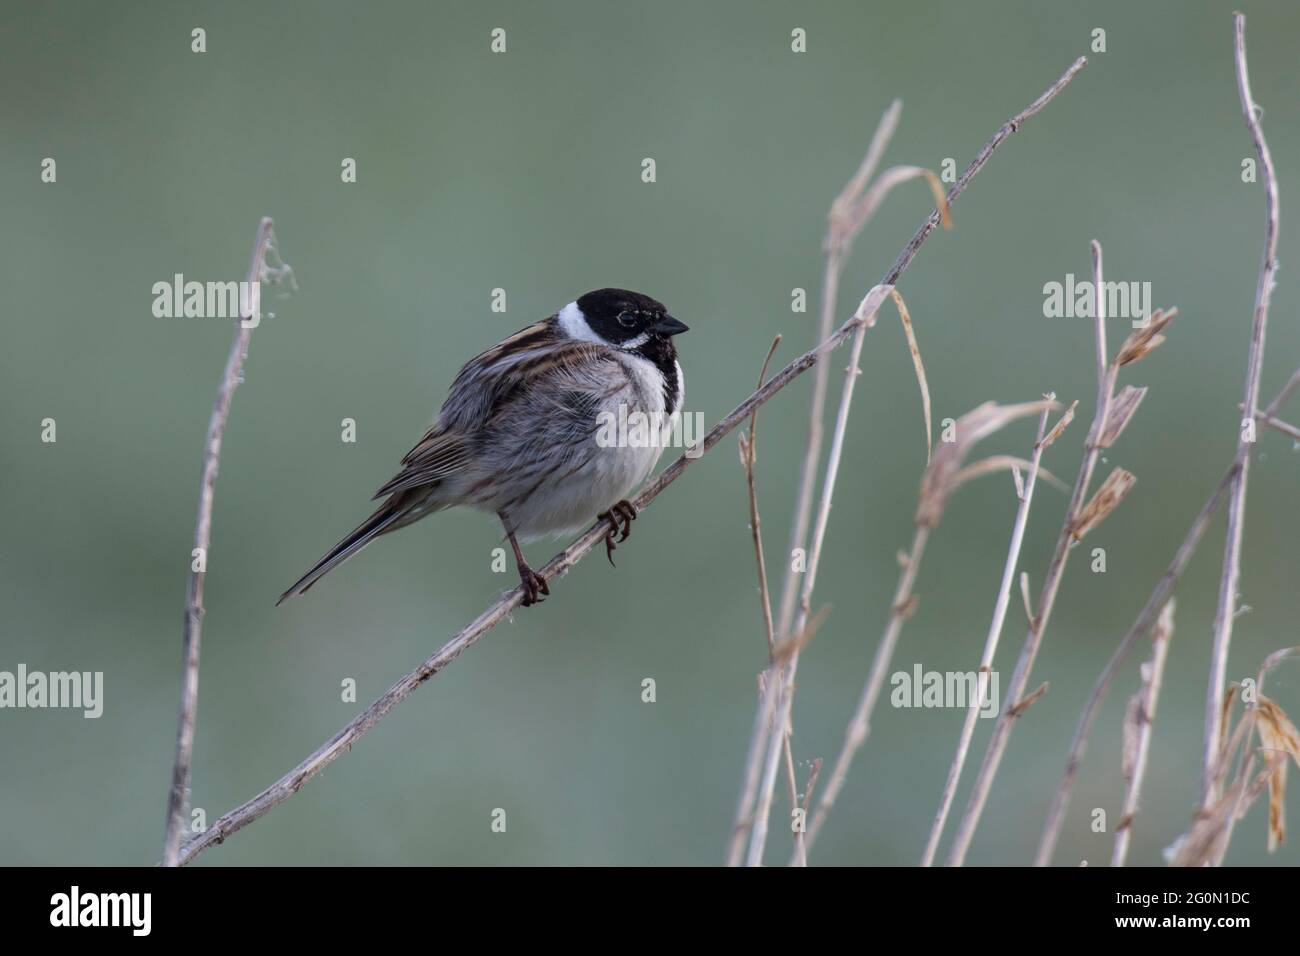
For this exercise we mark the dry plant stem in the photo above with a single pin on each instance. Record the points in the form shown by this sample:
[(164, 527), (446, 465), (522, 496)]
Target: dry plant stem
[(1287, 390), (938, 481), (1146, 619), (193, 626), (1106, 374), (750, 450), (763, 723), (1146, 713), (860, 723), (792, 790), (1268, 415), (1249, 720), (990, 646), (290, 783), (1278, 425), (836, 243), (779, 729), (1246, 794), (1206, 843), (1231, 576), (812, 453), (800, 846)]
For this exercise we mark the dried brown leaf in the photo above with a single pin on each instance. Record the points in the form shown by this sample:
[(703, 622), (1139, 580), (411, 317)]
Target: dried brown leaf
[(1142, 342), (1225, 714), (917, 366), (1276, 802), (748, 447), (1024, 703), (1112, 491), (1000, 463), (1278, 739), (1276, 732), (1200, 844), (940, 198), (848, 221), (1061, 425), (945, 465), (1122, 407), (907, 608), (788, 649), (1204, 843), (1024, 597), (1273, 660)]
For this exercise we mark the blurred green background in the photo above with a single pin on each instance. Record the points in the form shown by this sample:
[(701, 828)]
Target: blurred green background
[(522, 171)]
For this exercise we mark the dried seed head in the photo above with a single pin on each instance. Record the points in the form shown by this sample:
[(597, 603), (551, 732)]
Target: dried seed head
[(1142, 342), (1276, 732), (1122, 407), (1106, 500), (1278, 739)]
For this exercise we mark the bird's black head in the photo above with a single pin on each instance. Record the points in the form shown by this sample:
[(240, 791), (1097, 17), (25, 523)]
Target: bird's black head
[(622, 319)]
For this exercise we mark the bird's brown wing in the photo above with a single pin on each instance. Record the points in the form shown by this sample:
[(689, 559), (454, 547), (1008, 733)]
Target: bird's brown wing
[(486, 387), (438, 454)]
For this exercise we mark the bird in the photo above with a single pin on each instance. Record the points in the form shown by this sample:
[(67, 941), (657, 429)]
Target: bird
[(519, 434)]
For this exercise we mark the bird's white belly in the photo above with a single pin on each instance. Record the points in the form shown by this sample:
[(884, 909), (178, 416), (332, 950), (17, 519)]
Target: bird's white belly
[(610, 475), (613, 464)]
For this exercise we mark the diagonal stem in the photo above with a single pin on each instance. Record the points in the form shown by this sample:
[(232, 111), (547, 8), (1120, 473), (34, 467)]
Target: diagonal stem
[(331, 750), (1231, 576)]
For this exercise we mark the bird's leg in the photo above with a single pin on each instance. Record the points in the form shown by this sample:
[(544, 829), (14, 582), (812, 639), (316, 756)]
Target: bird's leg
[(533, 583), (620, 518)]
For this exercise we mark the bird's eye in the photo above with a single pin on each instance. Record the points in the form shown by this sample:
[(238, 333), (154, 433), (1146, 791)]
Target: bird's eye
[(626, 319)]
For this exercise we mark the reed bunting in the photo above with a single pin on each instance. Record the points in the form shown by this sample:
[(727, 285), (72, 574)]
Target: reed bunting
[(517, 435)]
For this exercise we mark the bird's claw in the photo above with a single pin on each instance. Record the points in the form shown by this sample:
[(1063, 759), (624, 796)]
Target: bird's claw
[(620, 518), (533, 585)]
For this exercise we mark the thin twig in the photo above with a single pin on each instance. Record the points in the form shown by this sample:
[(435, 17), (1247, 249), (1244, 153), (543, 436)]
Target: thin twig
[(1286, 428), (1266, 417), (749, 453), (289, 784), (837, 244), (1285, 394), (779, 729), (800, 846), (939, 481), (765, 723), (859, 726), (1231, 576), (838, 241), (193, 626), (1206, 843), (1137, 737), (990, 644), (1106, 374), (1145, 620)]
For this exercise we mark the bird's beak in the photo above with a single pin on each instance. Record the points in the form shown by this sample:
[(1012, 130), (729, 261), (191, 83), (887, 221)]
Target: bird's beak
[(668, 326)]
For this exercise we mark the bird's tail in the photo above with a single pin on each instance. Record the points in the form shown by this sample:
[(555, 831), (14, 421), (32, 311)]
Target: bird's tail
[(393, 514)]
